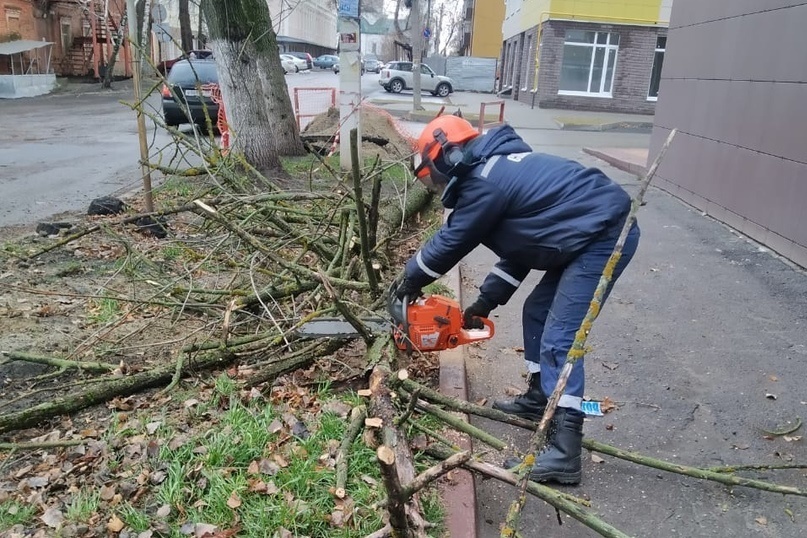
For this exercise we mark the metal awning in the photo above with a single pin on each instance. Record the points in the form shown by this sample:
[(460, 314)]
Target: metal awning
[(21, 45)]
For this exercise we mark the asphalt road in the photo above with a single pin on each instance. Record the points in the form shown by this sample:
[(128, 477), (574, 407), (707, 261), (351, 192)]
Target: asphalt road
[(59, 151)]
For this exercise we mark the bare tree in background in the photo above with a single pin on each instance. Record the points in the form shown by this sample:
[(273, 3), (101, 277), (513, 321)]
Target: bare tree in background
[(252, 83), (451, 20), (401, 20)]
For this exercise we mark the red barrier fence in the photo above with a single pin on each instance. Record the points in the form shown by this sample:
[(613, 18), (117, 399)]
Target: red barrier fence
[(482, 124)]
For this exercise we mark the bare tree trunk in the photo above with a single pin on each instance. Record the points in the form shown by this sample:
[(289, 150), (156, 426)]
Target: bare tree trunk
[(140, 13), (437, 24), (256, 98), (117, 42), (185, 30)]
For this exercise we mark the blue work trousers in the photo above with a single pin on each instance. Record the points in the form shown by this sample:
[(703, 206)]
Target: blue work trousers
[(557, 306)]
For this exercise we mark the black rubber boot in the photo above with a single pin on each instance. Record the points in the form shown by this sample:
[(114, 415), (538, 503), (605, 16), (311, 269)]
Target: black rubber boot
[(560, 461), (529, 405)]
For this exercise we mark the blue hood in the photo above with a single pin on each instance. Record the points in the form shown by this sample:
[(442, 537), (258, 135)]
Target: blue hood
[(499, 141)]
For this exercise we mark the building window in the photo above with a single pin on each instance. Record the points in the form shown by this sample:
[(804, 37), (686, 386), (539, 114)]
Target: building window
[(589, 62), (13, 20), (66, 27), (527, 62), (658, 61)]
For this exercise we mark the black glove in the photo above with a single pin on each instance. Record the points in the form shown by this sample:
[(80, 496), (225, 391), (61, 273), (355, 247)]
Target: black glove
[(479, 309), (405, 288)]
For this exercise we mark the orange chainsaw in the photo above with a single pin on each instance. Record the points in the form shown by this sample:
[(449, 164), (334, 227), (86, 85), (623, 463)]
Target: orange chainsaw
[(431, 323)]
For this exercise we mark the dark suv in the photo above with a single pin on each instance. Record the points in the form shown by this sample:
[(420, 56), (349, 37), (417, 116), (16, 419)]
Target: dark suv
[(184, 93), (304, 56)]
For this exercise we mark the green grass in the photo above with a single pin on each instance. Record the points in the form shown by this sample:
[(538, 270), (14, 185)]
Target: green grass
[(399, 173), (210, 477), (134, 518), (69, 269), (438, 288), (83, 505), (176, 187), (172, 252), (214, 467), (301, 166), (104, 310), (14, 513), (14, 248)]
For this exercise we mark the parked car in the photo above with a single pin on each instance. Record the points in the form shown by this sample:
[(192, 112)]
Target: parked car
[(372, 64), (397, 76), (309, 61), (185, 99), (287, 62), (336, 67), (326, 61), (165, 66), (295, 64)]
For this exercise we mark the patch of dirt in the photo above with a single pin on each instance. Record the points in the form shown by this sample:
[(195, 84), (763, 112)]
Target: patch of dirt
[(132, 302), (376, 123)]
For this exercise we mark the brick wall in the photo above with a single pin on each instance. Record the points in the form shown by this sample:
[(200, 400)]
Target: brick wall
[(26, 26), (634, 65)]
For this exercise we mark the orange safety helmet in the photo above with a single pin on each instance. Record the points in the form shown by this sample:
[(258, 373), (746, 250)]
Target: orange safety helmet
[(439, 146)]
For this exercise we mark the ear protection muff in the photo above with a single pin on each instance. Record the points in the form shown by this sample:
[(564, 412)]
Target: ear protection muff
[(449, 161), (450, 153)]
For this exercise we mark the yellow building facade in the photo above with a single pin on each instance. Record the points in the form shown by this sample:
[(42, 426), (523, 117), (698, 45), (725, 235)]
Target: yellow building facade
[(589, 54), (528, 12), (486, 35)]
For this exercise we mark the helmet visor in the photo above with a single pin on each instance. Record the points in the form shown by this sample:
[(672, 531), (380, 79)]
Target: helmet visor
[(423, 160)]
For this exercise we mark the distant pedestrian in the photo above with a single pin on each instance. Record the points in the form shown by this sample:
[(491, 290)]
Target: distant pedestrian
[(536, 212)]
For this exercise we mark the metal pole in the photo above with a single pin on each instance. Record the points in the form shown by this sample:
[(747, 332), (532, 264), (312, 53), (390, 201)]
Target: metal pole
[(134, 39), (429, 26), (417, 52)]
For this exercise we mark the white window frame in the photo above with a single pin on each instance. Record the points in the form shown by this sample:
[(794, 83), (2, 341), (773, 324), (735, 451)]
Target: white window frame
[(609, 49), (664, 51)]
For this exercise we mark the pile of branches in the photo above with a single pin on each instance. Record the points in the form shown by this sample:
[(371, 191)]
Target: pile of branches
[(288, 256), (395, 400)]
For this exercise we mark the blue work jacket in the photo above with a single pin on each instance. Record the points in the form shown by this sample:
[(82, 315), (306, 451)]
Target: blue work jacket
[(535, 211)]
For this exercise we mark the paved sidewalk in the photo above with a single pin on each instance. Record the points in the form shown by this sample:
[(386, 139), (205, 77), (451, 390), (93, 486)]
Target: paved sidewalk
[(519, 115), (702, 346)]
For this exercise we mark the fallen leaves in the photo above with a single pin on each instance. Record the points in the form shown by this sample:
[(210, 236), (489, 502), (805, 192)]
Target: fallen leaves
[(115, 524), (607, 405), (259, 486), (263, 466), (164, 511), (53, 518), (106, 493), (234, 501)]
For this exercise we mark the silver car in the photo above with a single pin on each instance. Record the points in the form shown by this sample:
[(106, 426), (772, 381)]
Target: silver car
[(397, 76)]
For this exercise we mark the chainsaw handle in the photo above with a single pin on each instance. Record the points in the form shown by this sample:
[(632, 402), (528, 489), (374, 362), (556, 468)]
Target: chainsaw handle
[(469, 336)]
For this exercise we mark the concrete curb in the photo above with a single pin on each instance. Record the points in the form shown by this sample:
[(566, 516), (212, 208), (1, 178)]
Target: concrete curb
[(458, 493), (623, 164), (606, 126)]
